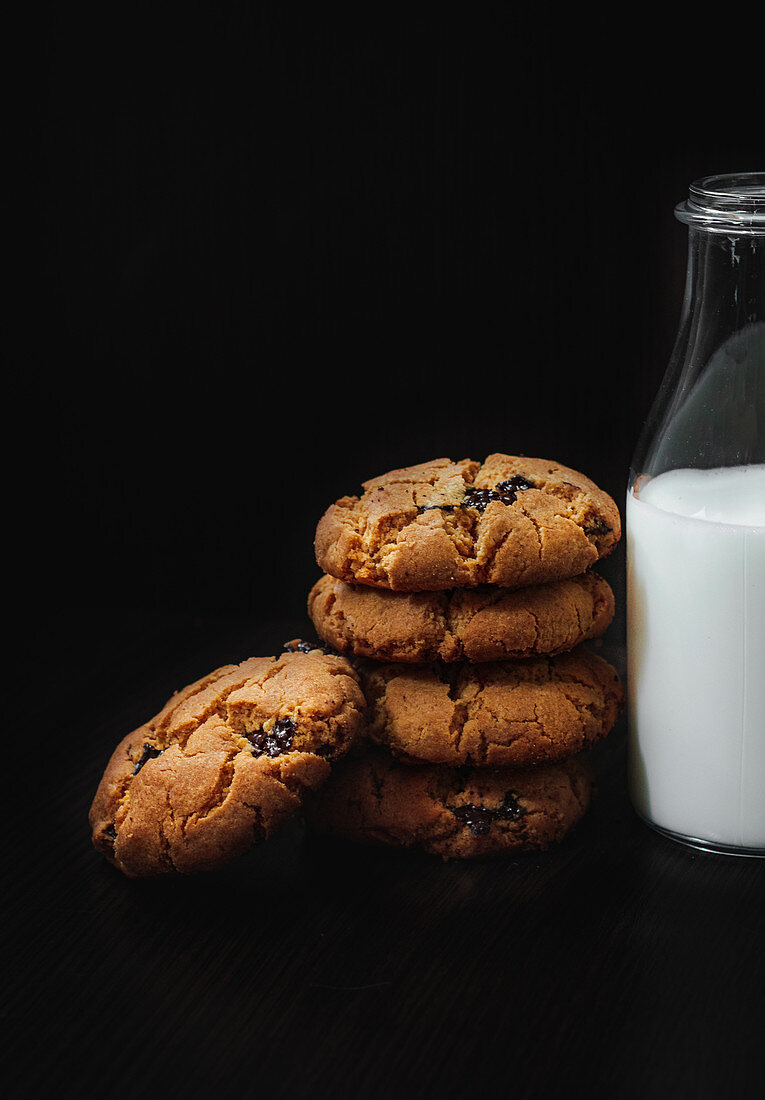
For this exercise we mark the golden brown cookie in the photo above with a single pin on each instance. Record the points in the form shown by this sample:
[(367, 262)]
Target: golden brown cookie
[(225, 763), (461, 624), (509, 521), (497, 714), (457, 813)]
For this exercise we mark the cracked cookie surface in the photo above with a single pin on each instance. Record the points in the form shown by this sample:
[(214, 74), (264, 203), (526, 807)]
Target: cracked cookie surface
[(459, 813), (462, 624), (225, 762), (509, 521), (496, 714)]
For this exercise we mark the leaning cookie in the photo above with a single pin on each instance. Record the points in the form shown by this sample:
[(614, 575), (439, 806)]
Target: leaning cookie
[(461, 624), (225, 763), (510, 521), (497, 714), (455, 813)]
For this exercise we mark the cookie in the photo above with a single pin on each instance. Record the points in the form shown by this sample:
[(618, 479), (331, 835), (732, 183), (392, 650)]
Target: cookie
[(508, 521), (497, 714), (225, 763), (455, 813), (460, 624)]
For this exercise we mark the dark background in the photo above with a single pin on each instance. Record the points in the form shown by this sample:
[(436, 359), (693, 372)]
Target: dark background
[(274, 254), (283, 253)]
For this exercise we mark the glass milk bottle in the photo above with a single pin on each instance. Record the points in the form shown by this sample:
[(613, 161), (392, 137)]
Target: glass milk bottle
[(696, 543)]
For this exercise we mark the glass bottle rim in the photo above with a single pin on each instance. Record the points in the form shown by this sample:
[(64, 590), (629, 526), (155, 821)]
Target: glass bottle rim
[(733, 202)]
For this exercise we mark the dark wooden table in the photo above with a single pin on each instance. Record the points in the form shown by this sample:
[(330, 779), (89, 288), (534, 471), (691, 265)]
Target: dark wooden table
[(618, 965)]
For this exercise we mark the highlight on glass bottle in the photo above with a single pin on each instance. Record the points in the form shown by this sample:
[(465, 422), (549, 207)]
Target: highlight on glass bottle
[(696, 543)]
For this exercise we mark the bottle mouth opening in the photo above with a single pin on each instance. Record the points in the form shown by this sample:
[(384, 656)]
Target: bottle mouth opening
[(727, 202)]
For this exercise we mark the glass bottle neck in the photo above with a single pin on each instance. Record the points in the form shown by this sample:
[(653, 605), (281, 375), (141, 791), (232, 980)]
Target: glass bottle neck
[(725, 282), (710, 410), (725, 288)]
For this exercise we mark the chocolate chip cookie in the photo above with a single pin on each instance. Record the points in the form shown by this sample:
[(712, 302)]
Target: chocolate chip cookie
[(457, 813), (509, 713), (225, 763), (461, 624), (508, 521)]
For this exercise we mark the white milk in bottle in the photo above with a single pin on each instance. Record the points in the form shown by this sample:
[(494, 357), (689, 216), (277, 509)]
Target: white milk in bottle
[(696, 660)]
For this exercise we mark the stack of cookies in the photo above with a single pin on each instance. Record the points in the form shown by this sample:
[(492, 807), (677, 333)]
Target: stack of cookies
[(455, 600), (462, 593)]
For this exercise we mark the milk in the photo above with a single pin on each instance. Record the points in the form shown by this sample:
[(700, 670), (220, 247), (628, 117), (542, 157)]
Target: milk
[(696, 653)]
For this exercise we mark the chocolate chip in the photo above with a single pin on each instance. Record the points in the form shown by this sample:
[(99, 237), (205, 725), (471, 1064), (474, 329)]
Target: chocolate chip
[(510, 809), (597, 527), (149, 753), (505, 492), (275, 741), (515, 484), (479, 818), (299, 646)]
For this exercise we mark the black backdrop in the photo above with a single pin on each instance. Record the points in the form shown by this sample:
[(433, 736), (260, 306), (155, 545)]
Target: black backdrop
[(281, 253), (274, 254)]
